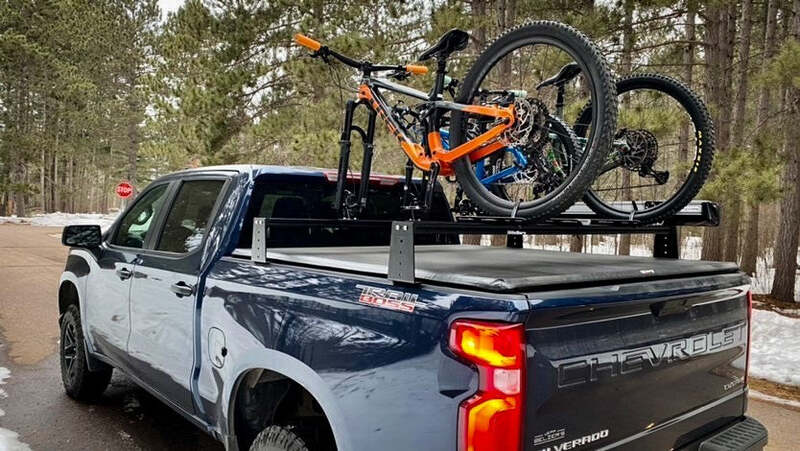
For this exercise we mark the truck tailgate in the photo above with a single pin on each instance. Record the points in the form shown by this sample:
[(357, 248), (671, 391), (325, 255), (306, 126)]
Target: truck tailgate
[(636, 365)]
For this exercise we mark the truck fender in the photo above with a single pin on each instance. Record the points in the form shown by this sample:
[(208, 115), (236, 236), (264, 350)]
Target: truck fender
[(79, 264), (288, 366)]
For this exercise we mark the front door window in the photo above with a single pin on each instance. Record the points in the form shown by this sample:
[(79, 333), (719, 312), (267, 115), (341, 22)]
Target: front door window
[(138, 222)]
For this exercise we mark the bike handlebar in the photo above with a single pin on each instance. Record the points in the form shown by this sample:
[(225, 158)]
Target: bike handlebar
[(418, 70), (318, 48), (307, 42)]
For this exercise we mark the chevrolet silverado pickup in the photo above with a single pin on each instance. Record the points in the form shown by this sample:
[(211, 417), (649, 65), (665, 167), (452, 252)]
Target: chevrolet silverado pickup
[(312, 336)]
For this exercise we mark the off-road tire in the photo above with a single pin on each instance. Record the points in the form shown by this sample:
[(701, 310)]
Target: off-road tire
[(278, 438), (704, 155), (80, 383), (588, 56)]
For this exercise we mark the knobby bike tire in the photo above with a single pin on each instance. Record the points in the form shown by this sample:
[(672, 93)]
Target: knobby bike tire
[(704, 149)]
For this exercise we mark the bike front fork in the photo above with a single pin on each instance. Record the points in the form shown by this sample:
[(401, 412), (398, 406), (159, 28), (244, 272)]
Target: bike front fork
[(348, 208), (344, 206)]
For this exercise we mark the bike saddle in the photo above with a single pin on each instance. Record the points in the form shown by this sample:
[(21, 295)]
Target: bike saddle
[(567, 73), (452, 41)]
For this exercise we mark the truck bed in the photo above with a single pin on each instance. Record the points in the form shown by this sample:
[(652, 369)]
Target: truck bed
[(498, 269)]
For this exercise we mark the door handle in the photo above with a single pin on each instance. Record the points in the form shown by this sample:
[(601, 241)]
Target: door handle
[(124, 273), (182, 289)]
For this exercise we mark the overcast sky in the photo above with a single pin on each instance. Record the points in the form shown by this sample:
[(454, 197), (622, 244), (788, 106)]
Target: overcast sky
[(168, 6)]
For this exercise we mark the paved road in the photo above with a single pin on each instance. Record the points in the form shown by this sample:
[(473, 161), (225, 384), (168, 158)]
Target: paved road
[(127, 418), (31, 260)]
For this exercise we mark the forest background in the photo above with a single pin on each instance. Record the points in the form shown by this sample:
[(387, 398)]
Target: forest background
[(93, 92)]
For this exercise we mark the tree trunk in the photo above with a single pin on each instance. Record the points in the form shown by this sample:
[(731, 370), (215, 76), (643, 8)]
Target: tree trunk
[(721, 33), (752, 240), (576, 243), (498, 240), (479, 24), (19, 195), (628, 42), (739, 126), (789, 226), (688, 74), (750, 248)]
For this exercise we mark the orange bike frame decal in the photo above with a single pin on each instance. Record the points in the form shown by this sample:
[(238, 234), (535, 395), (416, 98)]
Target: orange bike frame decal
[(478, 147)]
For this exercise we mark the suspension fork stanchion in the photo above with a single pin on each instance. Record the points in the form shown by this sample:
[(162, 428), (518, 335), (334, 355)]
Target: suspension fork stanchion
[(366, 166), (344, 155)]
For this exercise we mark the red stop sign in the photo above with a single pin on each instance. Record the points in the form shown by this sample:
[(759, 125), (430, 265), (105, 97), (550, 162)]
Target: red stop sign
[(124, 190)]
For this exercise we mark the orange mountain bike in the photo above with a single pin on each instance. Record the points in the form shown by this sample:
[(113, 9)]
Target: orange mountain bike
[(510, 156)]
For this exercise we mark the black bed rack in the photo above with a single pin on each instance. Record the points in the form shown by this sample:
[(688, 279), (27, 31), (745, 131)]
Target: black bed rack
[(577, 220)]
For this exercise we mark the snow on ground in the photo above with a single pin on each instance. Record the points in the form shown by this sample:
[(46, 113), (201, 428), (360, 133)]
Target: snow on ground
[(9, 440), (59, 219), (775, 349), (4, 374)]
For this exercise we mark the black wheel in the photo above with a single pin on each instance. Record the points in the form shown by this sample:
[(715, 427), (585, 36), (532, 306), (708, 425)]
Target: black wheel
[(662, 152), (79, 382), (510, 71), (278, 438)]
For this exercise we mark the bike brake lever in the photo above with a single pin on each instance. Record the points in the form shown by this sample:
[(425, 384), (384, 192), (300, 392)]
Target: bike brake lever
[(399, 75)]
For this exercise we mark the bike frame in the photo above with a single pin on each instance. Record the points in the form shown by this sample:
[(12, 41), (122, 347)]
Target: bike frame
[(431, 156)]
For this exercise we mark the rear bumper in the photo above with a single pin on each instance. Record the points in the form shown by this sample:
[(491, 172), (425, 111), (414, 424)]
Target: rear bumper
[(745, 435)]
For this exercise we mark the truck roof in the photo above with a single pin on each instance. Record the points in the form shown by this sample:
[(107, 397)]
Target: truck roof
[(500, 269), (256, 170)]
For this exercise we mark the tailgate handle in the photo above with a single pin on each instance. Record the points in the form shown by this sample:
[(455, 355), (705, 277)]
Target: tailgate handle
[(666, 308)]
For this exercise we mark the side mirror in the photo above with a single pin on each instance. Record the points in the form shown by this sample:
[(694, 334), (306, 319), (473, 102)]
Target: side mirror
[(88, 236)]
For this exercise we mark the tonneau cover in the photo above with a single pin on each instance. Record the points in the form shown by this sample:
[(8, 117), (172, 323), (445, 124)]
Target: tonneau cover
[(498, 269)]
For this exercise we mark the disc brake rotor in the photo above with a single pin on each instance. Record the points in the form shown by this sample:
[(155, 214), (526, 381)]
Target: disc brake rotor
[(528, 132), (642, 150)]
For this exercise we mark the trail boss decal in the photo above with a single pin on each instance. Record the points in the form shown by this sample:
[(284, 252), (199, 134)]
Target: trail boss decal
[(389, 299), (578, 442)]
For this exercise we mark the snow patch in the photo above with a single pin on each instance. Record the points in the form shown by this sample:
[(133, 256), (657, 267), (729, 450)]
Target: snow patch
[(9, 441), (5, 373), (59, 219), (775, 348), (769, 398)]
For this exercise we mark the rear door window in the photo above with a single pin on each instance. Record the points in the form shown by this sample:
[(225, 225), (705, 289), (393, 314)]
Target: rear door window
[(316, 199), (188, 219)]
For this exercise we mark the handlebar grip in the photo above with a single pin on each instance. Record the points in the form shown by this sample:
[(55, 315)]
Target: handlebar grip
[(418, 70), (305, 41)]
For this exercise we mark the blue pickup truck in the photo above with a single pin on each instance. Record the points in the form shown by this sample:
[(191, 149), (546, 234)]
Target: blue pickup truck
[(310, 337)]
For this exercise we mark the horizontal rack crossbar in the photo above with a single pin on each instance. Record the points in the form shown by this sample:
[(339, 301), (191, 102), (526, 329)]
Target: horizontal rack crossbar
[(578, 220)]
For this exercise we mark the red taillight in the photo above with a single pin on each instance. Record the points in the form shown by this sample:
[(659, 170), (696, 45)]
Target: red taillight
[(749, 328), (492, 419)]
